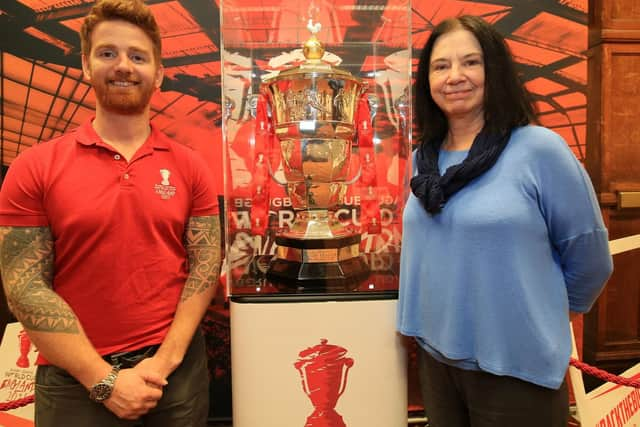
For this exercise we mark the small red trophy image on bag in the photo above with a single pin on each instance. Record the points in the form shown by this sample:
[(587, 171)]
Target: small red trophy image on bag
[(24, 347)]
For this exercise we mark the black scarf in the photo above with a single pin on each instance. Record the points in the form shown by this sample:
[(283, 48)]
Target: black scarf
[(434, 190)]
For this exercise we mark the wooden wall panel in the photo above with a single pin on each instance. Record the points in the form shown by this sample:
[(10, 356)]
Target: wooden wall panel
[(613, 20), (613, 131), (612, 328)]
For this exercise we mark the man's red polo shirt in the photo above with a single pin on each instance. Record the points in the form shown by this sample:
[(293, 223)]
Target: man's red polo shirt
[(118, 228)]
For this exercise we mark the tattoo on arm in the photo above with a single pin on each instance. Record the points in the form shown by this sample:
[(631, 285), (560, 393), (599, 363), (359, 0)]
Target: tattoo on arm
[(202, 241), (27, 264)]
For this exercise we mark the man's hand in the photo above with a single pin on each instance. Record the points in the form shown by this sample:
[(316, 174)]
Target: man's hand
[(155, 366), (134, 394)]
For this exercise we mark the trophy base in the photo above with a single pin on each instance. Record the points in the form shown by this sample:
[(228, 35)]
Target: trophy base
[(326, 418), (318, 263)]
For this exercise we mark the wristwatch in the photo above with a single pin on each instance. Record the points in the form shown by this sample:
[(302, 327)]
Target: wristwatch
[(101, 391)]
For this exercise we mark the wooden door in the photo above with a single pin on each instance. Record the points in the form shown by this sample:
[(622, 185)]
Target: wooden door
[(612, 328)]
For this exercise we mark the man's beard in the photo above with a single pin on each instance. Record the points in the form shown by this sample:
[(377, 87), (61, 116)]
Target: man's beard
[(132, 100)]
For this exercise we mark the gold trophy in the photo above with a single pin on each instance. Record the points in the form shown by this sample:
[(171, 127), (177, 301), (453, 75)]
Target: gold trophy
[(313, 112)]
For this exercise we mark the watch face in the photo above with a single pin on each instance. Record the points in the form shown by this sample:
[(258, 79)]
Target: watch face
[(100, 392)]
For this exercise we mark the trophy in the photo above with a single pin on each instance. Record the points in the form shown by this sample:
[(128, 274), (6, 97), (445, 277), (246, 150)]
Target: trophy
[(323, 371), (314, 109), (24, 347)]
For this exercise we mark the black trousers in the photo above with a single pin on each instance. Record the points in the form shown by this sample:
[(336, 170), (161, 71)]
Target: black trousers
[(60, 400), (456, 397)]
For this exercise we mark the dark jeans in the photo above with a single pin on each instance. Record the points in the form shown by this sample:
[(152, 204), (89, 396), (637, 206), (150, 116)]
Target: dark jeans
[(61, 401), (456, 397)]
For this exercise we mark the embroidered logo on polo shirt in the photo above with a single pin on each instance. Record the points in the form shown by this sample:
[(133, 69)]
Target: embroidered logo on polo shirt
[(165, 189)]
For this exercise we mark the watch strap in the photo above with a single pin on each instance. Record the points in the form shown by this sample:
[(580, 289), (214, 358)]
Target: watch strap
[(102, 389)]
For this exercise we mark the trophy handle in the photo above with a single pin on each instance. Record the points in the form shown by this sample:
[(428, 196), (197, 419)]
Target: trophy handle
[(273, 176), (303, 377), (345, 370), (356, 177)]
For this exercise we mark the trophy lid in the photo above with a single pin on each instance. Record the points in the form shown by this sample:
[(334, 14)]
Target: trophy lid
[(323, 353), (313, 51)]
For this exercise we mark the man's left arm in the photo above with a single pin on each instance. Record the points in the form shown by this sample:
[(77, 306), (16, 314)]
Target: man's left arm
[(203, 245)]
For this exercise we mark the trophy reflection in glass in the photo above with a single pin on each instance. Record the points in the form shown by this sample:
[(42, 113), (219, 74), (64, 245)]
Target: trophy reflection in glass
[(315, 110)]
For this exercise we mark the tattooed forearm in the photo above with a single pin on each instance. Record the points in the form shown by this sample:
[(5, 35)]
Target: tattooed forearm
[(202, 241), (27, 263)]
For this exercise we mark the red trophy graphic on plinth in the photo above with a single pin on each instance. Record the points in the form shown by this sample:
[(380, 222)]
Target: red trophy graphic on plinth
[(323, 369), (24, 346)]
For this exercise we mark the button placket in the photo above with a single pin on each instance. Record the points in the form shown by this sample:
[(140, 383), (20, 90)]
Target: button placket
[(123, 168)]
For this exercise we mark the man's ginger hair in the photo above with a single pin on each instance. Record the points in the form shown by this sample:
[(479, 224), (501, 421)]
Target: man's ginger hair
[(132, 11)]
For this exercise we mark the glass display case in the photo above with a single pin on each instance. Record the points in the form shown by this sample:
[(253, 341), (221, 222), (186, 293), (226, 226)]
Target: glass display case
[(317, 136), (316, 147)]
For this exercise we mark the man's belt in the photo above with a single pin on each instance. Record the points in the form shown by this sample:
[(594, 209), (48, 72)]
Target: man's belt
[(129, 359)]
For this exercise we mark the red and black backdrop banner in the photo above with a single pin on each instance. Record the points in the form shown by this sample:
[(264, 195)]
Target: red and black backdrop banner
[(43, 93)]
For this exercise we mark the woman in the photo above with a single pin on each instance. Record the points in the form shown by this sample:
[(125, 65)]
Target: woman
[(506, 240)]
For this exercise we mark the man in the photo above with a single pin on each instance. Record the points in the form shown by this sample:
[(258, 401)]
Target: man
[(110, 247)]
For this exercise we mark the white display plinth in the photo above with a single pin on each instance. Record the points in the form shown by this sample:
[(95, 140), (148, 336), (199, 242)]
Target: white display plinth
[(268, 337)]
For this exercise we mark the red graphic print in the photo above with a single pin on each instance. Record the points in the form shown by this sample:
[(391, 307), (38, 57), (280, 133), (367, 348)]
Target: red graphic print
[(323, 370), (24, 346)]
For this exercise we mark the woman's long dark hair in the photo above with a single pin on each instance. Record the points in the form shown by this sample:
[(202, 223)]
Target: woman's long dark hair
[(507, 104)]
